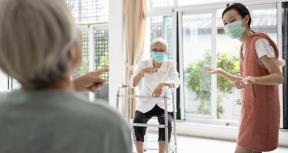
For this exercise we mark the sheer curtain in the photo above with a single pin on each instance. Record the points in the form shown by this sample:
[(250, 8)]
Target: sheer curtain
[(134, 32)]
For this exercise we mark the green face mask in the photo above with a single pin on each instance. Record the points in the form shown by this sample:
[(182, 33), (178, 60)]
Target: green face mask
[(158, 57), (234, 30)]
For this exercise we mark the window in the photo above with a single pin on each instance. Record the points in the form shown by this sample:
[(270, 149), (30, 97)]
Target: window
[(89, 11), (85, 56), (101, 48), (100, 36), (202, 42), (196, 31), (193, 2), (92, 16), (159, 27), (160, 3), (265, 20)]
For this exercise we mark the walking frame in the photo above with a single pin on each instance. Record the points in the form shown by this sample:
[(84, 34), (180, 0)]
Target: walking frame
[(170, 148)]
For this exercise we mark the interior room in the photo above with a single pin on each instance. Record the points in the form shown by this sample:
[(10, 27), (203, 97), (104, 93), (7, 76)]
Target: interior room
[(201, 109)]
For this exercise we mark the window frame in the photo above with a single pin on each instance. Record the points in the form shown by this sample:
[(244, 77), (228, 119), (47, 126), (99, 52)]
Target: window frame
[(89, 28)]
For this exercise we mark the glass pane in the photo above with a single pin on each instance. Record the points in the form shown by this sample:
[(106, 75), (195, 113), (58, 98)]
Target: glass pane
[(101, 58), (161, 27), (228, 97), (89, 11), (101, 48), (85, 53), (196, 55), (193, 2), (160, 3), (265, 20)]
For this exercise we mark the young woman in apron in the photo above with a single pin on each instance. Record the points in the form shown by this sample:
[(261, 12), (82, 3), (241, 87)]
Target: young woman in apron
[(259, 81)]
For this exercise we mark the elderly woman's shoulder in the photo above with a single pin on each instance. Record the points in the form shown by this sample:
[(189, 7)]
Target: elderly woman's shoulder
[(97, 108), (99, 111), (145, 62), (171, 62), (63, 104)]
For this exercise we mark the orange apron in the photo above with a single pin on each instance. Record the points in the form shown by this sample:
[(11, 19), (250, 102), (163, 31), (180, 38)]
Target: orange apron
[(260, 112)]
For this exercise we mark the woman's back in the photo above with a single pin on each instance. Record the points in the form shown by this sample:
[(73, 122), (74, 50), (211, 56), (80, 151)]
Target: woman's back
[(59, 122)]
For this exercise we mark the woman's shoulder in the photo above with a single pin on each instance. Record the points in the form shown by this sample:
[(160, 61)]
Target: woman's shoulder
[(261, 35), (262, 38), (264, 45)]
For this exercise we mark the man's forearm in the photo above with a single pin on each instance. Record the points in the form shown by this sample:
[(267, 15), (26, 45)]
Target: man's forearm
[(137, 79)]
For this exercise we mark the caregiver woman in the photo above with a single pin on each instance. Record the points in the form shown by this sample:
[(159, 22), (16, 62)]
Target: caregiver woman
[(259, 80)]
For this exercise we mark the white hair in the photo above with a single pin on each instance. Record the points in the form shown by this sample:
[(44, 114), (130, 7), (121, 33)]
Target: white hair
[(35, 36), (159, 41)]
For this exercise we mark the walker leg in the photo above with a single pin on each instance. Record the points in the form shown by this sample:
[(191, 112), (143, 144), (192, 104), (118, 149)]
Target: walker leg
[(117, 99), (175, 134), (174, 122), (129, 105), (166, 127)]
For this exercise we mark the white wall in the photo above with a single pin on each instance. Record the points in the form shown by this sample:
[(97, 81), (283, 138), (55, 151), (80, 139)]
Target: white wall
[(116, 62)]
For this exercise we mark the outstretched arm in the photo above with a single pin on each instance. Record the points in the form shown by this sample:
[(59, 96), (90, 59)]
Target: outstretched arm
[(222, 73)]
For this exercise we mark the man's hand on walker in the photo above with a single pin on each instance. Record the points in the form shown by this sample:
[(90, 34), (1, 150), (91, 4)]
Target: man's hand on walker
[(90, 81), (158, 90)]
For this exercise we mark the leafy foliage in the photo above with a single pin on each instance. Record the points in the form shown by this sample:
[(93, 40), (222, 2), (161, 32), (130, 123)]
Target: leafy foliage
[(199, 81)]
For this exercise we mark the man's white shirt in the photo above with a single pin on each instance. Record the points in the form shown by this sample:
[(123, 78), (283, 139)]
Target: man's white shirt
[(166, 74)]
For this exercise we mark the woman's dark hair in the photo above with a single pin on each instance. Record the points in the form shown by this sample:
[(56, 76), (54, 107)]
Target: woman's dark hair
[(241, 9)]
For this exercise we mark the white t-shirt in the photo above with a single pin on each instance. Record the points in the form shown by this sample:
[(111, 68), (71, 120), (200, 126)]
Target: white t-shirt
[(263, 48)]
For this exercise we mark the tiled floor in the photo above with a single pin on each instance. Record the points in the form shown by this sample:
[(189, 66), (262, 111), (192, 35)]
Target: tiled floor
[(200, 145)]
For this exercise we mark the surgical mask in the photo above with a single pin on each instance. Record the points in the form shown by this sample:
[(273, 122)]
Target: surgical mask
[(158, 57), (234, 30)]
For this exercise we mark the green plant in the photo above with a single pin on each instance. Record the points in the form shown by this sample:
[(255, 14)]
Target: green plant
[(103, 62), (229, 64), (200, 82)]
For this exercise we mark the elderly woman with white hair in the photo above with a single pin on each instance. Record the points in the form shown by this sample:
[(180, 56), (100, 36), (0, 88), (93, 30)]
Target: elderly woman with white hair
[(41, 47), (153, 76)]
